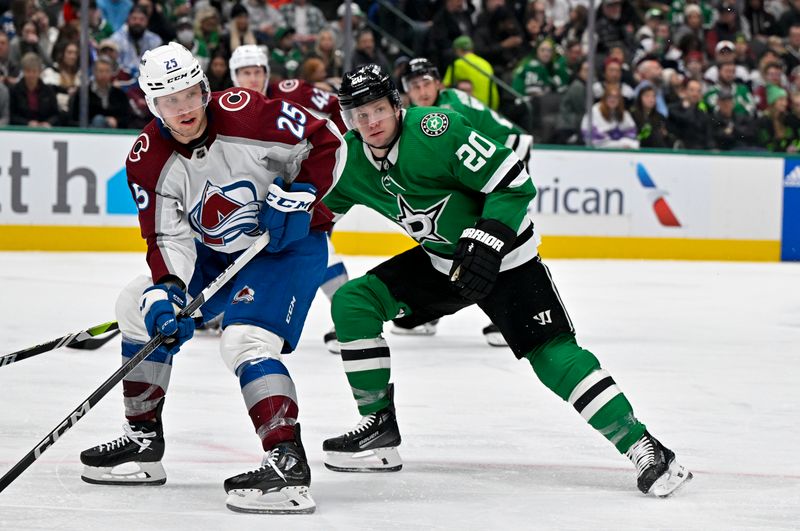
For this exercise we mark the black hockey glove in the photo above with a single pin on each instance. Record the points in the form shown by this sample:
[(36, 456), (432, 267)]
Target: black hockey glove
[(476, 261)]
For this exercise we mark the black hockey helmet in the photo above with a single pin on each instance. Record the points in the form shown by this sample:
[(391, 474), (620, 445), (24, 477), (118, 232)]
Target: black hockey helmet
[(365, 84), (419, 67)]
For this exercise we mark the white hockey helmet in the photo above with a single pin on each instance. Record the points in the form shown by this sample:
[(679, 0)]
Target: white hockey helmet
[(248, 55), (169, 69)]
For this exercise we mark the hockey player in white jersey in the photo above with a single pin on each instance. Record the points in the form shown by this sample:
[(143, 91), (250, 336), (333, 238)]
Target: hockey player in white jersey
[(249, 68), (209, 175)]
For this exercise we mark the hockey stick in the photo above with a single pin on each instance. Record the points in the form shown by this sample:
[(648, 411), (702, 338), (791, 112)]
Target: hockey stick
[(129, 365), (84, 339)]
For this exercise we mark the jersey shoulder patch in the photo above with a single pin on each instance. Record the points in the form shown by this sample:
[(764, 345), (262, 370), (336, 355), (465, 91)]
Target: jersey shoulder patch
[(434, 124)]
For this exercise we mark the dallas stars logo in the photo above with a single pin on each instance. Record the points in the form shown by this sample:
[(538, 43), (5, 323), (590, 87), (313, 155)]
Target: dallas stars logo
[(421, 224), (434, 123)]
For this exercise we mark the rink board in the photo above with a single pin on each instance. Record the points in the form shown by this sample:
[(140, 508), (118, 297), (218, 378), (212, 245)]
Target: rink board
[(65, 190)]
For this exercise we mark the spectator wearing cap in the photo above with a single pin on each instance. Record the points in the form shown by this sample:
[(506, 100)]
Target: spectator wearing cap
[(612, 76), (338, 25), (725, 52), (285, 57), (207, 27), (498, 37), (454, 19), (651, 126), (134, 39), (306, 19), (546, 73), (725, 28), (32, 102), (789, 18), (368, 51), (613, 29), (773, 130), (772, 75), (730, 130), (108, 105), (115, 11), (612, 125), (240, 31), (743, 98), (689, 120), (184, 34), (264, 17), (478, 70)]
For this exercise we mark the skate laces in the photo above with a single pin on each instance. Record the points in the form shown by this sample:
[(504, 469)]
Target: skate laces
[(363, 424), (271, 460), (643, 454), (140, 438)]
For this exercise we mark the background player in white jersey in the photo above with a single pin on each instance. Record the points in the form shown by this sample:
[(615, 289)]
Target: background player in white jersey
[(209, 175), (249, 68)]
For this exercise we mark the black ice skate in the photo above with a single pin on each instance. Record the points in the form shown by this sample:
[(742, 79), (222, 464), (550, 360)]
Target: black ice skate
[(280, 486), (658, 471), (493, 336), (369, 447), (331, 341), (133, 459)]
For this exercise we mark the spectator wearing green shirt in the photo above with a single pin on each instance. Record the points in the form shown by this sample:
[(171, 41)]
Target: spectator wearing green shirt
[(543, 74), (743, 99)]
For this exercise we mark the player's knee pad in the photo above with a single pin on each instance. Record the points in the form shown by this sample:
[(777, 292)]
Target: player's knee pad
[(241, 343), (130, 320), (561, 364), (361, 306)]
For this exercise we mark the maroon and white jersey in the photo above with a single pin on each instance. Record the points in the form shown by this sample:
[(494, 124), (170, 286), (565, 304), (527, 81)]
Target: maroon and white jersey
[(212, 193), (310, 97)]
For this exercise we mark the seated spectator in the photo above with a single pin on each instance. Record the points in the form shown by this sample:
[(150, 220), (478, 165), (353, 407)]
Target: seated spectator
[(542, 75), (48, 35), (572, 109), (207, 28), (184, 34), (726, 27), (725, 52), (453, 20), (313, 71), (240, 32), (743, 99), (4, 105), (108, 105), (650, 70), (689, 121), (369, 51), (612, 125), (305, 18), (792, 56), (64, 75), (614, 29), (219, 77), (575, 30), (650, 124), (133, 39), (32, 102), (691, 34), (99, 27), (731, 131), (9, 71), (760, 23), (337, 27), (285, 57), (478, 71), (790, 17), (612, 76), (264, 17), (773, 129), (498, 37), (156, 21), (772, 75), (325, 49), (28, 41)]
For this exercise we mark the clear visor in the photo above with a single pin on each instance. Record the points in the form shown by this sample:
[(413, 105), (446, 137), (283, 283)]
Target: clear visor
[(183, 102), (417, 81), (368, 114)]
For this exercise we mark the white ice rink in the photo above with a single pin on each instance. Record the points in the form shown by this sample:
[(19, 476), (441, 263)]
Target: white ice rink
[(708, 353)]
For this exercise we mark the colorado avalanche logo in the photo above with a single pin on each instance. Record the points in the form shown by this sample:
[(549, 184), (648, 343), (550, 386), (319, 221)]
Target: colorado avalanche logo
[(223, 214), (288, 85), (234, 100), (141, 145)]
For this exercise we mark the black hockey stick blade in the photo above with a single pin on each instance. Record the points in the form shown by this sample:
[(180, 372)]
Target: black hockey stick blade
[(93, 343), (64, 341)]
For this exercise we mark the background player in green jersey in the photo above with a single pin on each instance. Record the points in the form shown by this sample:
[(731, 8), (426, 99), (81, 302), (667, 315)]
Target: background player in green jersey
[(462, 196), (422, 83)]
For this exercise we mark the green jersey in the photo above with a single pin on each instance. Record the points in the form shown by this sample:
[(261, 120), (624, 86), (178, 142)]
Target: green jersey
[(486, 121), (438, 179)]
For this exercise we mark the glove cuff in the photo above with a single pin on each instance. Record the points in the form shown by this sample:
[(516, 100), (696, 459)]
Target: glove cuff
[(493, 234)]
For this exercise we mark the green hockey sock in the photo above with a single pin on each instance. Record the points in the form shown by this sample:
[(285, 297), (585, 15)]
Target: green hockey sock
[(574, 374)]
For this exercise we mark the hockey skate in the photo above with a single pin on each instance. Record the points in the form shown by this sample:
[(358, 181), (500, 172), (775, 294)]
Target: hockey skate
[(369, 447), (279, 486), (331, 341), (493, 336), (425, 329), (133, 459), (658, 471)]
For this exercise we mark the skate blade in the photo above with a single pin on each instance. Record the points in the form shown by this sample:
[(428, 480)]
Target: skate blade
[(495, 339), (376, 460), (288, 500), (126, 474), (675, 478)]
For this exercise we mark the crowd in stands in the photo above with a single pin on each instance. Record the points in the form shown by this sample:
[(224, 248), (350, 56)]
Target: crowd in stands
[(686, 74)]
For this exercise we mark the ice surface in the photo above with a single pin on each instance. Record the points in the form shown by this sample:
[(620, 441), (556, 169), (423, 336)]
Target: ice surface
[(708, 353)]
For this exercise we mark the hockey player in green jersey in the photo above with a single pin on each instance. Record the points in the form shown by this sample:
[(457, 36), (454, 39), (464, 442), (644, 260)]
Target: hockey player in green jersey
[(422, 83), (462, 196)]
